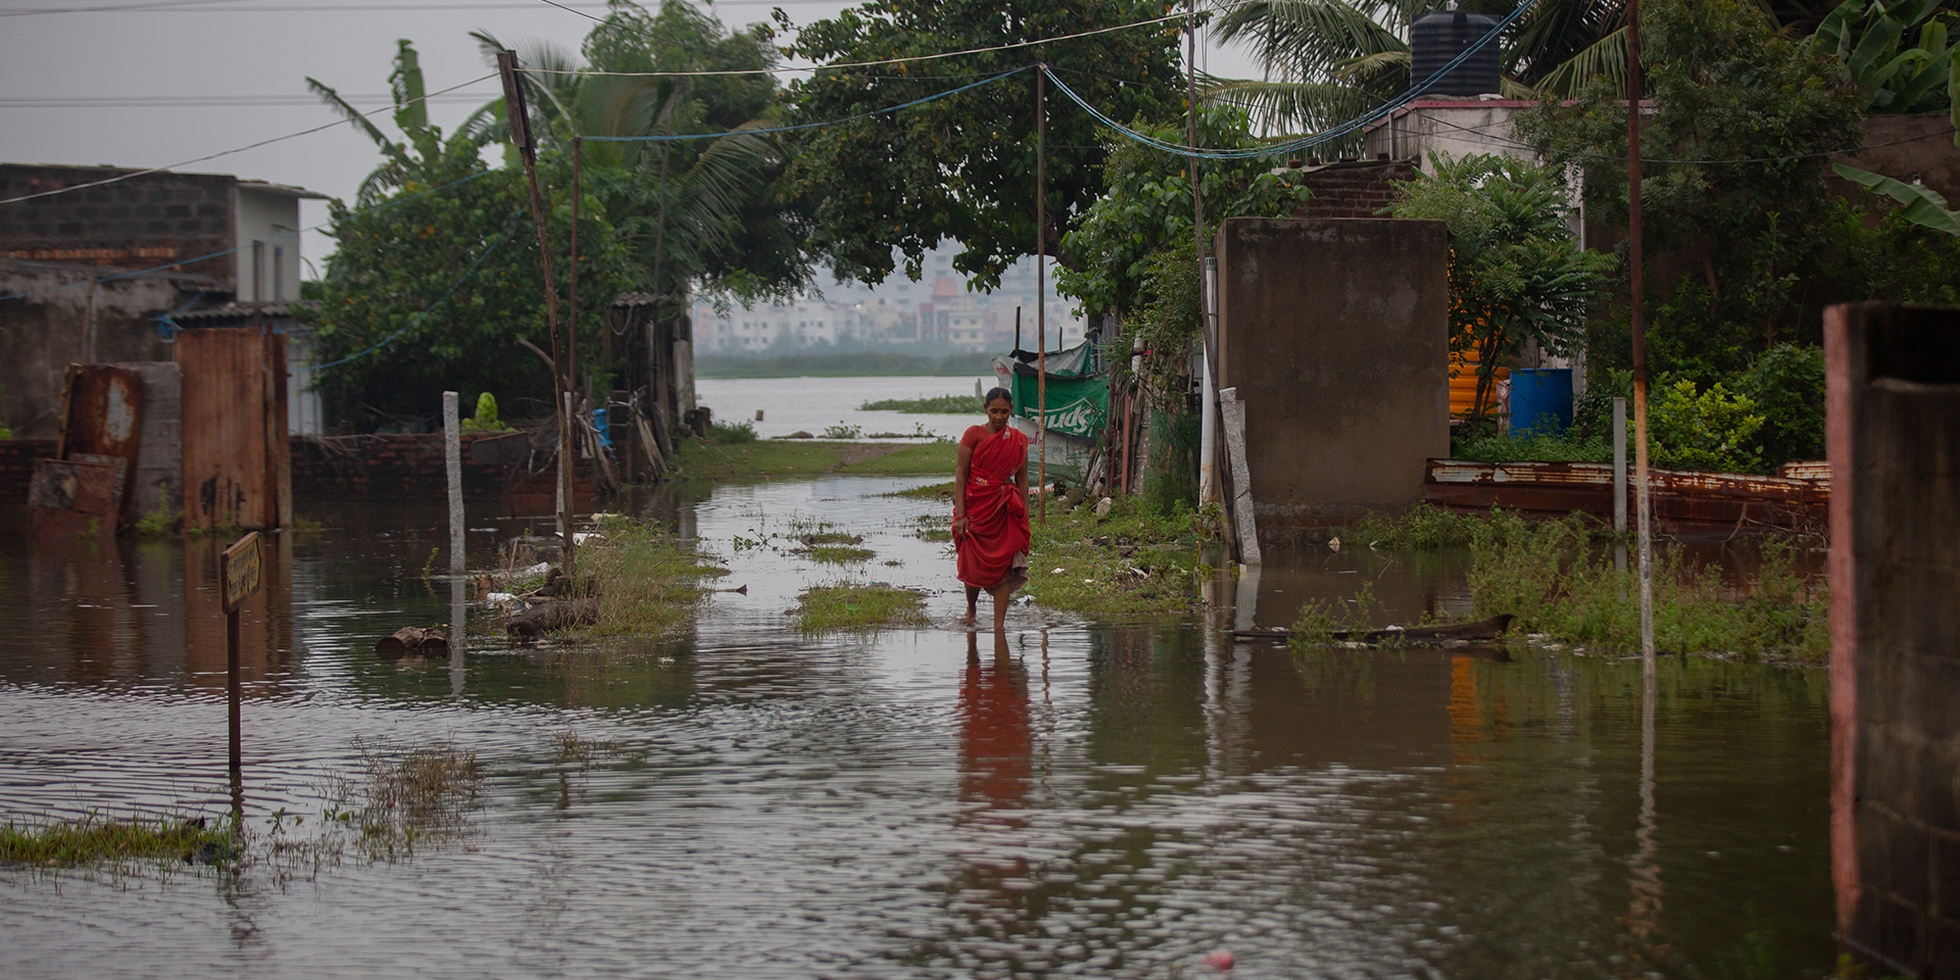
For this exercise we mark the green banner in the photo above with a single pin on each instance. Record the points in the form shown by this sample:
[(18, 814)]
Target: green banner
[(1076, 407)]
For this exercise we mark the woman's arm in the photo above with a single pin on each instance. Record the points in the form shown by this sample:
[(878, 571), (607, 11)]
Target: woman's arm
[(959, 488), (1021, 478)]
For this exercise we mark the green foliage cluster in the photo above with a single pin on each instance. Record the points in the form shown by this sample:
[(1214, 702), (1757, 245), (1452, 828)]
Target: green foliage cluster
[(962, 168), (1873, 39), (658, 216), (1556, 579), (731, 433), (1751, 422), (1733, 177), (937, 405), (1516, 275)]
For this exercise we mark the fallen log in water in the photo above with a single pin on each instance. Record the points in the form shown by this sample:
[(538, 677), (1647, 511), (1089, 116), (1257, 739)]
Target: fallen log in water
[(557, 614), (1482, 630), (412, 638)]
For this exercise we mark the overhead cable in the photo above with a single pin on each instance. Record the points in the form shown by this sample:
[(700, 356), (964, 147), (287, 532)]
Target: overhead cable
[(225, 153), (1010, 46), (679, 137)]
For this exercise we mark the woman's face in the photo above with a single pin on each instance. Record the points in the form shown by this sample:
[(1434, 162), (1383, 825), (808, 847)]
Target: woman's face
[(998, 412)]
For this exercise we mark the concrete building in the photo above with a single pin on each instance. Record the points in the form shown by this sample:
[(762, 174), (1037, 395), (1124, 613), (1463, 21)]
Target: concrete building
[(805, 323), (110, 273)]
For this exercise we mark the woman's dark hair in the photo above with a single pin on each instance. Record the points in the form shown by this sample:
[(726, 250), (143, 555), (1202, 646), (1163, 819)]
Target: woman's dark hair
[(1000, 394)]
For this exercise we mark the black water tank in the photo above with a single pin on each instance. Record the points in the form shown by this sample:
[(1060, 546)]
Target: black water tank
[(1437, 38)]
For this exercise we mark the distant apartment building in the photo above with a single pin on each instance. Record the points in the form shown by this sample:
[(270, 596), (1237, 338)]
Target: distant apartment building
[(806, 323)]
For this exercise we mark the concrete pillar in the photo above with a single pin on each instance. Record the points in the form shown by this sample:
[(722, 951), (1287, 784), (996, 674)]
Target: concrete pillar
[(1893, 403)]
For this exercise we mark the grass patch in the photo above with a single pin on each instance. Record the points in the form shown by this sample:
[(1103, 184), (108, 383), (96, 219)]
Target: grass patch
[(647, 581), (850, 608), (1131, 563), (93, 840), (1420, 528), (1559, 578), (913, 460), (931, 491), (938, 405), (840, 554)]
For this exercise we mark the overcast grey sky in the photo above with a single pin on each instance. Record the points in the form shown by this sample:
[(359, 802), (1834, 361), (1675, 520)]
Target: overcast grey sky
[(149, 83)]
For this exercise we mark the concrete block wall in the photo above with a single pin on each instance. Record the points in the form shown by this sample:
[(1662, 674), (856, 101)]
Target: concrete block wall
[(1336, 335), (1893, 430), (137, 223), (17, 458), (411, 467)]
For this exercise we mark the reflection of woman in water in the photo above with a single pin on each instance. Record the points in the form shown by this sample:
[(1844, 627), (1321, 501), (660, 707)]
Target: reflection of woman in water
[(996, 775), (990, 509)]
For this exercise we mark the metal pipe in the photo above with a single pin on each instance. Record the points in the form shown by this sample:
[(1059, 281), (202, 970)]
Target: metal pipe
[(1619, 466), (1208, 395)]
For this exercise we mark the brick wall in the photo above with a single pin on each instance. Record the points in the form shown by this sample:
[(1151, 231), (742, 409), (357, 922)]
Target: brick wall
[(411, 467), (1354, 190), (17, 458)]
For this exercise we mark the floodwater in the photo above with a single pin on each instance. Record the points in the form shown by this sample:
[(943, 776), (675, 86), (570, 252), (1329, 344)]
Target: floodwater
[(1109, 800), (790, 405)]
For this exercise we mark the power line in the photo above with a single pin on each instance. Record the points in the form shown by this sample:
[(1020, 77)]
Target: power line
[(225, 153), (664, 138), (199, 7), (206, 101), (1010, 46)]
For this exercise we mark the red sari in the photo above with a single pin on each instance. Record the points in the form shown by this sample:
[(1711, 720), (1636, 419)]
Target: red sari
[(996, 512)]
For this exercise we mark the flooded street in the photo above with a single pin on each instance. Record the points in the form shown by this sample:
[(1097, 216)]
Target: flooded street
[(1113, 800)]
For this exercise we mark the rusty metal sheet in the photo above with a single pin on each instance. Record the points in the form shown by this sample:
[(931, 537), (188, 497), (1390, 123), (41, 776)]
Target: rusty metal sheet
[(1681, 499), (73, 496), (231, 471), (105, 418)]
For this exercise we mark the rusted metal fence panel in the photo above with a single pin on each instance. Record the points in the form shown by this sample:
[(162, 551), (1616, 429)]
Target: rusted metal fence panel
[(1682, 499), (104, 417)]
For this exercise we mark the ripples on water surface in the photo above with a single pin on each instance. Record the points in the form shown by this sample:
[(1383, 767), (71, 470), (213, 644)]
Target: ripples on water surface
[(1101, 800)]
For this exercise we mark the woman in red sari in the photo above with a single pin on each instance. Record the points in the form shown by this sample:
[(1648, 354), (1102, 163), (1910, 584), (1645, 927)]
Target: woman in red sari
[(990, 509)]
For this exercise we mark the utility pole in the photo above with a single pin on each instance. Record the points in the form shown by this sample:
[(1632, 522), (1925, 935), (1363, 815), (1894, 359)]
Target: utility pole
[(518, 113), (1041, 280), (1643, 501)]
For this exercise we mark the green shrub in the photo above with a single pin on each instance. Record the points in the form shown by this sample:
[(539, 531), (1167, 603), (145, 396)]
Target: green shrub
[(1787, 384), (731, 433), (1704, 430), (485, 419)]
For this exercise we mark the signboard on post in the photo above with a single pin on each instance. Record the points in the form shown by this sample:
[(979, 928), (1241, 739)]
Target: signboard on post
[(238, 567)]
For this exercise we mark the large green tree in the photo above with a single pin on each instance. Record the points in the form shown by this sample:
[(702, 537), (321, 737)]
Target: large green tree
[(435, 282), (1733, 179), (963, 168)]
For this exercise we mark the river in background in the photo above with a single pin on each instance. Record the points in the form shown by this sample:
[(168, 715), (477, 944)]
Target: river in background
[(1098, 799), (814, 404)]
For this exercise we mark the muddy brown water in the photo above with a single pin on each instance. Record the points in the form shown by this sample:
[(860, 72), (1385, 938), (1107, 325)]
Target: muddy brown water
[(1111, 800)]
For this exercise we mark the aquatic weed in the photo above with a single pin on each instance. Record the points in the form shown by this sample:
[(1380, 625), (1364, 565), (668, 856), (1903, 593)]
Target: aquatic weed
[(94, 839), (857, 608)]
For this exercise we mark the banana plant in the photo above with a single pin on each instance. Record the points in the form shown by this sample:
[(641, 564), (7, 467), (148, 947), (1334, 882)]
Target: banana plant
[(1924, 205), (1869, 36)]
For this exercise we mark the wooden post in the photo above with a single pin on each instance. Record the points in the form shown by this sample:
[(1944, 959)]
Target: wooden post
[(517, 113), (1619, 466), (452, 446), (238, 570), (1232, 413)]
